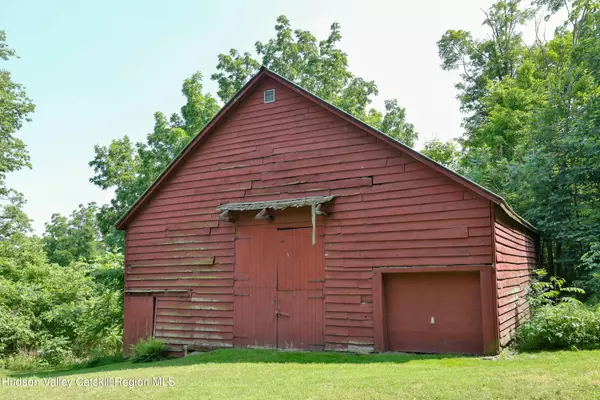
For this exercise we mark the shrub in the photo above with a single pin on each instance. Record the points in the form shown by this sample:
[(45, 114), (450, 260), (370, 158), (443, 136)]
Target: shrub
[(23, 361), (57, 314), (549, 290), (148, 351), (562, 326)]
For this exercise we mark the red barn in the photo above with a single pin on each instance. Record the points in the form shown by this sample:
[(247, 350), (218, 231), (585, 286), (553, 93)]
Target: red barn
[(288, 223)]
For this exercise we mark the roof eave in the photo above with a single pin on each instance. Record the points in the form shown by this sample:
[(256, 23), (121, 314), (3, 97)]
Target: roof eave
[(512, 214)]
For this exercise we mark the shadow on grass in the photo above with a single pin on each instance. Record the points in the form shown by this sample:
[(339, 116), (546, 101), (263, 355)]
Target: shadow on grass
[(225, 356)]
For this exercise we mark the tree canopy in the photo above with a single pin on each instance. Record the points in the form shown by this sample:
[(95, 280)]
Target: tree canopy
[(75, 238), (15, 108), (531, 130)]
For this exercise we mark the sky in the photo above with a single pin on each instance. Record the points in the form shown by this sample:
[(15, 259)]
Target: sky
[(99, 70)]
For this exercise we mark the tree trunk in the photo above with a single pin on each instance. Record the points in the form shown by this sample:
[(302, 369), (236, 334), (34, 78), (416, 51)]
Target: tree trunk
[(558, 262), (550, 257)]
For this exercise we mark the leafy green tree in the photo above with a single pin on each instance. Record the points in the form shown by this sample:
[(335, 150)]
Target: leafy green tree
[(445, 153), (100, 327), (561, 161), (75, 238), (15, 108), (13, 219), (484, 63), (551, 291), (531, 133)]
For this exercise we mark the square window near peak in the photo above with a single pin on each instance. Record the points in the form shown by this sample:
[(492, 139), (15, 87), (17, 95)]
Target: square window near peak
[(269, 96)]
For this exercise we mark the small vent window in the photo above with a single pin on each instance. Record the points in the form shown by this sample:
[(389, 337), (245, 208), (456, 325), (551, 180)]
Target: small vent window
[(269, 96)]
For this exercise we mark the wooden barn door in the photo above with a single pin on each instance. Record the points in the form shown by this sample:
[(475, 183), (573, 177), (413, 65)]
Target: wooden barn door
[(300, 277), (278, 291), (138, 320), (255, 288)]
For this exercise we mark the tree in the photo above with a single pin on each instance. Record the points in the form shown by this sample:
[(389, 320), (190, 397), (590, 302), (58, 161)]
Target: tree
[(13, 220), (15, 108), (483, 63), (395, 125), (561, 161), (54, 313), (534, 116), (445, 153), (74, 238)]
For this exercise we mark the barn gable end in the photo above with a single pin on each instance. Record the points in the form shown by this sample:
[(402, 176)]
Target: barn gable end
[(390, 210)]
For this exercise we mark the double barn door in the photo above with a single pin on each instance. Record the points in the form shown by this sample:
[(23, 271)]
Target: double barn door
[(278, 292)]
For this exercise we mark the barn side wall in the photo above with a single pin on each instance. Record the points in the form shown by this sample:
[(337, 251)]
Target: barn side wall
[(390, 210), (516, 258)]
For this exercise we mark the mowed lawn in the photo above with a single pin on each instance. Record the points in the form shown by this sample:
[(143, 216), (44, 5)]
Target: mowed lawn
[(267, 374)]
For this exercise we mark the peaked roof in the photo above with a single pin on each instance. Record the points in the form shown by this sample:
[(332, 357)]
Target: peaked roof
[(241, 94)]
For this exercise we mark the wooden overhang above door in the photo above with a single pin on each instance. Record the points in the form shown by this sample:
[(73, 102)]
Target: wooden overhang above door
[(314, 202)]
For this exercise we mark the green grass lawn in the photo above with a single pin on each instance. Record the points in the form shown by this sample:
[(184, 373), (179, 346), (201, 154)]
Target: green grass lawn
[(266, 374)]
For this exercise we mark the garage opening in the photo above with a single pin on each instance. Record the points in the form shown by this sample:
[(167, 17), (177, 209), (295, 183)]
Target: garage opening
[(434, 312)]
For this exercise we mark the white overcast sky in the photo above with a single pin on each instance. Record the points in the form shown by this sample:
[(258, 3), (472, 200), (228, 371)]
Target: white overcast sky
[(99, 70)]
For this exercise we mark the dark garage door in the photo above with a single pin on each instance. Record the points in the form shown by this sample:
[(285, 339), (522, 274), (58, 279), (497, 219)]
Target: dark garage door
[(434, 312)]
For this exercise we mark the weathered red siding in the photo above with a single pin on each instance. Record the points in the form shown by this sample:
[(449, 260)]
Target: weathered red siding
[(516, 258), (390, 210)]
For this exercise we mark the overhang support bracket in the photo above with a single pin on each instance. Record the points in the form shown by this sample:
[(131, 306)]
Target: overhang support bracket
[(264, 214), (264, 208), (226, 216)]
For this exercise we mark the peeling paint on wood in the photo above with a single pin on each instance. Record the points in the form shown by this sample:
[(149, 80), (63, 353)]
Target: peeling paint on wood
[(198, 343), (191, 329), (202, 261), (176, 278), (168, 334), (182, 242), (166, 291), (209, 300)]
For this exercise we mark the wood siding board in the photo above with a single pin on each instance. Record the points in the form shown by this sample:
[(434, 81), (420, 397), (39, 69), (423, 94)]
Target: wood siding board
[(516, 258)]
